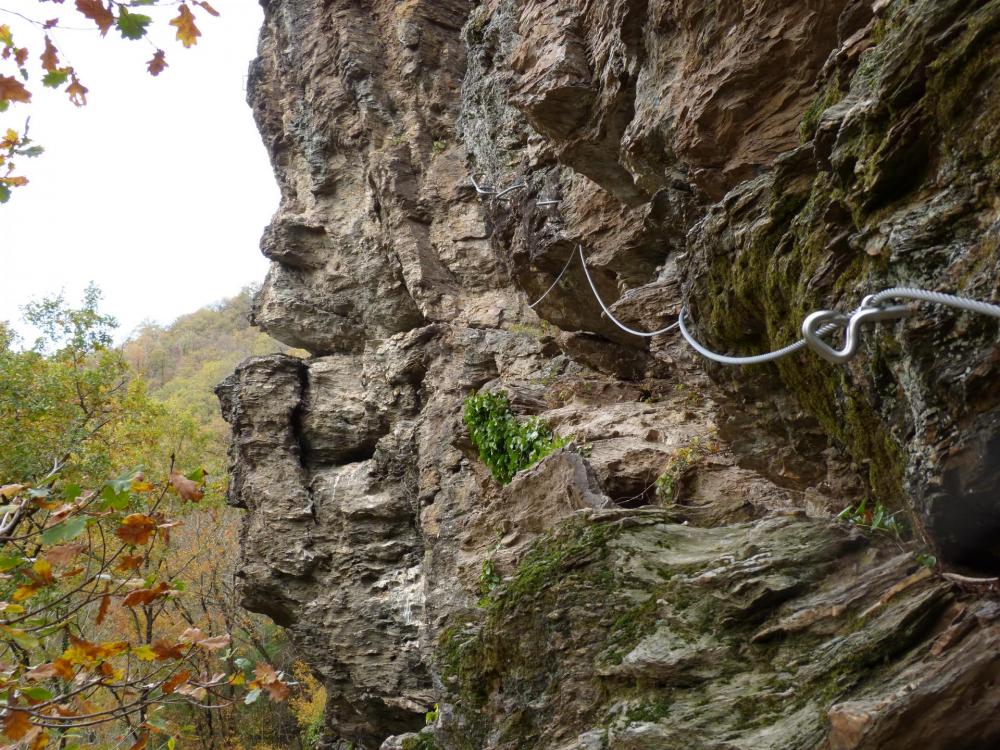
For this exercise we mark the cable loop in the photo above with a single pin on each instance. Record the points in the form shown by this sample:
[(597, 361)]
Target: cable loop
[(607, 312)]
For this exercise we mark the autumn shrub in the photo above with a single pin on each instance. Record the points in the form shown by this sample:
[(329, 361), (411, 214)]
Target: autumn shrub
[(506, 444), (308, 705)]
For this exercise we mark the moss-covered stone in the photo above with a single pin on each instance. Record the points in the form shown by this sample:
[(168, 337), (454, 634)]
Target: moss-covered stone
[(589, 633)]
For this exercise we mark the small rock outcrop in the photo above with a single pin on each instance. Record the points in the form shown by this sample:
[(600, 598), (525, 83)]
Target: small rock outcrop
[(677, 576)]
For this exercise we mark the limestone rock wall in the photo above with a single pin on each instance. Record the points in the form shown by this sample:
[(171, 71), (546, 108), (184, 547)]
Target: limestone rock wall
[(750, 161)]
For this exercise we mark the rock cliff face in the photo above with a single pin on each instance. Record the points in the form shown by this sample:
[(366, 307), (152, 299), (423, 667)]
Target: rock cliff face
[(676, 577)]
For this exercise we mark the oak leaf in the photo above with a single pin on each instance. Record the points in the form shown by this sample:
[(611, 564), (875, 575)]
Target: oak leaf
[(77, 91), (157, 64), (102, 611), (198, 638), (42, 672), (269, 680), (64, 553), (186, 488), (50, 58), (187, 32), (12, 90), (146, 596), (98, 13), (165, 650), (136, 529), (192, 691), (16, 724), (175, 682), (129, 562)]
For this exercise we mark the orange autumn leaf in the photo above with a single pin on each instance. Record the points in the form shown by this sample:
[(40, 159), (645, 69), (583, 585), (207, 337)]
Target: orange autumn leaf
[(98, 13), (165, 650), (268, 680), (63, 668), (16, 724), (102, 611), (186, 488), (87, 653), (175, 682), (136, 529), (12, 90), (77, 92), (49, 58), (146, 596), (187, 32), (157, 64), (129, 562), (277, 691), (140, 744)]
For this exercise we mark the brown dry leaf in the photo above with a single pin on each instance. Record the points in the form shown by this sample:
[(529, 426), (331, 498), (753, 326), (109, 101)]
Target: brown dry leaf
[(12, 90), (146, 596), (10, 490), (175, 682), (136, 529), (198, 693), (211, 11), (49, 58), (77, 92), (166, 650), (64, 553), (278, 691), (98, 13), (140, 744), (42, 672), (186, 488), (156, 66), (214, 644), (265, 673), (129, 562), (102, 611), (191, 635), (16, 724)]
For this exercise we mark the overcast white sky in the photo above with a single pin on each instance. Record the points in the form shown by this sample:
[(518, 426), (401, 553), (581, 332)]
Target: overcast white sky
[(158, 189)]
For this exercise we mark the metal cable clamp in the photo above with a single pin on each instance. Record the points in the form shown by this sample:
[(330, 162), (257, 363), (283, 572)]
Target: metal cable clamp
[(814, 324)]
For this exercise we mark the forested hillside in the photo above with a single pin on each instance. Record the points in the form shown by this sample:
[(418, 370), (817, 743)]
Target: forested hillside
[(182, 362), (117, 550)]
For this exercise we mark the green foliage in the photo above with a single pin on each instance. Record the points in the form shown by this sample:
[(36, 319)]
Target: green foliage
[(874, 519), (505, 444), (72, 400), (489, 579), (432, 716), (668, 483)]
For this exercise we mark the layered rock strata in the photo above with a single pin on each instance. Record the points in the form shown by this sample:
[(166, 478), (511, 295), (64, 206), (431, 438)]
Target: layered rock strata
[(676, 577)]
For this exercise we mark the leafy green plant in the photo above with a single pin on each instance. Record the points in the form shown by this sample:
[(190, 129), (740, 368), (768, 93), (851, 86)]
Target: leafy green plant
[(505, 444), (432, 716), (876, 518), (668, 483)]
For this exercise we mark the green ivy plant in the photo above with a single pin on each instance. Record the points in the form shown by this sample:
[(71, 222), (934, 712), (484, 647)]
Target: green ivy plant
[(505, 444)]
